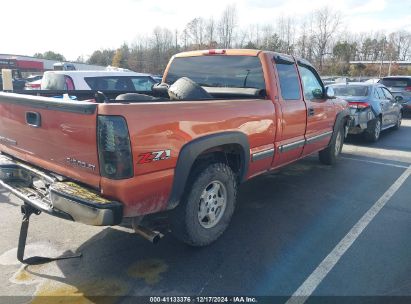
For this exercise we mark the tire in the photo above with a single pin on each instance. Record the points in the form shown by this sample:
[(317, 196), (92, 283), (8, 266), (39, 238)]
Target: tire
[(373, 132), (201, 217), (135, 97), (184, 88), (329, 155), (399, 120)]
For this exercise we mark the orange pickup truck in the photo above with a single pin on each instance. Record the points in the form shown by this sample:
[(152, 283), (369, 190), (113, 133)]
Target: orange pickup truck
[(219, 118)]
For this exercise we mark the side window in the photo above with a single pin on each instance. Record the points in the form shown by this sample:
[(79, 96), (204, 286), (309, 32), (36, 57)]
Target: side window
[(142, 83), (311, 85), (122, 84), (387, 94), (97, 83), (376, 93), (381, 93), (289, 82)]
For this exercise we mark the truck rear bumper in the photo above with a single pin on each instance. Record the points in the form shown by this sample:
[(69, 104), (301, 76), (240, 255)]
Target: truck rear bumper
[(56, 196)]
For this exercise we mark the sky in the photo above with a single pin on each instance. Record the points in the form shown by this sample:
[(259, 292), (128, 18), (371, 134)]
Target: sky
[(78, 27)]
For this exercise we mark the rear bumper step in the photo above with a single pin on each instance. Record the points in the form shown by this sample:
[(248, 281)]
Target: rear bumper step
[(64, 199)]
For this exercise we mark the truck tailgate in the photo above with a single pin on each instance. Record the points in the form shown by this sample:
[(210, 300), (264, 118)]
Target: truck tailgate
[(55, 134)]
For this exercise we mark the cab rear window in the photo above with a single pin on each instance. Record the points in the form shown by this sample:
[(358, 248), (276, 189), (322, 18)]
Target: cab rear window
[(219, 71)]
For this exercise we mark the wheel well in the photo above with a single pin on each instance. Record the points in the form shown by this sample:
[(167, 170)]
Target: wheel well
[(231, 154)]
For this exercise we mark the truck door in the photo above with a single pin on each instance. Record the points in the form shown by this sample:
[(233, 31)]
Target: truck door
[(320, 110), (290, 138)]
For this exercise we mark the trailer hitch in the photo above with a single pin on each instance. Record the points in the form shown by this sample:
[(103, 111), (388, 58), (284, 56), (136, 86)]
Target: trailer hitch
[(27, 211)]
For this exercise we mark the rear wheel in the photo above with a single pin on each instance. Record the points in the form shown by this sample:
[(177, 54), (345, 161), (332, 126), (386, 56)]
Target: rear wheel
[(399, 121), (329, 155), (372, 134), (207, 205)]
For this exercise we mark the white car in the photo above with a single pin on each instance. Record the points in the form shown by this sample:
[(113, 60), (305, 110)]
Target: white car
[(33, 85), (97, 81)]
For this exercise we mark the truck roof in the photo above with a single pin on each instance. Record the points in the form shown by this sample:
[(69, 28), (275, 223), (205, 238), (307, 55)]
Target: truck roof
[(238, 52)]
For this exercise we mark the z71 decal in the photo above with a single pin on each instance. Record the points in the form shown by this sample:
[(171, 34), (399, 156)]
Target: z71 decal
[(154, 156)]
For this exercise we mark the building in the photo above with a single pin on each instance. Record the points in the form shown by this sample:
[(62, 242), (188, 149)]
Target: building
[(32, 65)]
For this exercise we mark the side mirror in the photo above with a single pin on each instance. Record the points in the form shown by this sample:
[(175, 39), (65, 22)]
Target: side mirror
[(329, 92), (399, 99), (318, 93)]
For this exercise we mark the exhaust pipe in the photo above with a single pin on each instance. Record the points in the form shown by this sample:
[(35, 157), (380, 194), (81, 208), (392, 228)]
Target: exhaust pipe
[(148, 234)]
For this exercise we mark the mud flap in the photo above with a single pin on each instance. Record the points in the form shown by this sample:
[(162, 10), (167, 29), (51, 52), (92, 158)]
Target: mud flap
[(27, 211)]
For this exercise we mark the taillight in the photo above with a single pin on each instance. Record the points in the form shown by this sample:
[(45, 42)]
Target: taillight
[(114, 149), (358, 105), (408, 88)]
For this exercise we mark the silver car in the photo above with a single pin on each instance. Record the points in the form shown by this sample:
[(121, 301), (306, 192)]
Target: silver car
[(399, 86), (372, 107)]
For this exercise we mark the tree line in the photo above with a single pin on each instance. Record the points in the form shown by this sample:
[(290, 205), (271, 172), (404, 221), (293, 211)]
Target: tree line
[(319, 37)]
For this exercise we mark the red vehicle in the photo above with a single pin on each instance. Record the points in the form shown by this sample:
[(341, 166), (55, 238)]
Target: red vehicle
[(220, 118)]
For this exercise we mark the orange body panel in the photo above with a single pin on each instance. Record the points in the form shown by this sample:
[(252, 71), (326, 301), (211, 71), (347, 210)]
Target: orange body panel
[(61, 135), (171, 125), (267, 123)]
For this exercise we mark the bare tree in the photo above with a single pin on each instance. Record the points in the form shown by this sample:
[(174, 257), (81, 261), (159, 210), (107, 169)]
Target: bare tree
[(401, 40), (227, 25), (196, 31), (210, 32), (286, 33), (326, 22), (185, 37), (317, 40), (306, 40), (161, 47)]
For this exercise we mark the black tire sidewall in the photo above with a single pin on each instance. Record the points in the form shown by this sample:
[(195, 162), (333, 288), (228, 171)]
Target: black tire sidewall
[(370, 132), (328, 156), (399, 120), (185, 88), (342, 132), (197, 234)]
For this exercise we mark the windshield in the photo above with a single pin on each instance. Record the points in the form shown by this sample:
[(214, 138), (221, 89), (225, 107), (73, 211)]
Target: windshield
[(219, 71), (348, 90)]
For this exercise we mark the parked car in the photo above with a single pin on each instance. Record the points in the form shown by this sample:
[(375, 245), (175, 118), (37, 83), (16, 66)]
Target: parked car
[(372, 80), (373, 108), (97, 81), (224, 116), (34, 78), (33, 85), (399, 86)]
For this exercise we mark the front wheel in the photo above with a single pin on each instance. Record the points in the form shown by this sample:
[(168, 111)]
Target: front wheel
[(329, 155), (207, 205)]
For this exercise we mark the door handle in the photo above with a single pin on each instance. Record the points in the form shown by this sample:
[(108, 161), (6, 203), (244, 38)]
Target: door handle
[(33, 119), (311, 112)]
